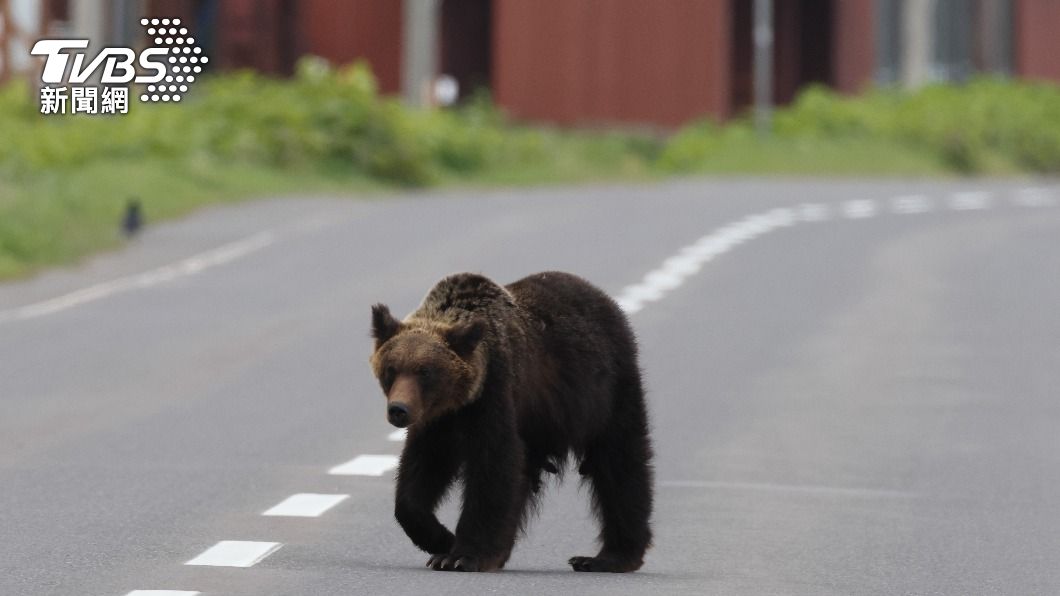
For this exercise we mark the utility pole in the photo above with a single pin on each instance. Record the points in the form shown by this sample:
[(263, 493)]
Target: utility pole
[(763, 65), (991, 37), (917, 42), (5, 23), (420, 54), (21, 24)]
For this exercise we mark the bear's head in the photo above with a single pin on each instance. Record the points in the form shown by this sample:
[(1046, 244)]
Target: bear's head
[(426, 368)]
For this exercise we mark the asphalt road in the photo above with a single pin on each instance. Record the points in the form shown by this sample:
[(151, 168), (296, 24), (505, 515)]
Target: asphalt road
[(852, 392)]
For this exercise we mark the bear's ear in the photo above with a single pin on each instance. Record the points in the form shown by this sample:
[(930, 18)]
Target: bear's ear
[(463, 338), (384, 325)]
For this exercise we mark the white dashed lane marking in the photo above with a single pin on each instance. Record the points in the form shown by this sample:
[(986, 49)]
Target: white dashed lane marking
[(975, 199), (1034, 197), (305, 505), (911, 205), (814, 212), (688, 261), (859, 209), (671, 274), (675, 270), (235, 553), (366, 465)]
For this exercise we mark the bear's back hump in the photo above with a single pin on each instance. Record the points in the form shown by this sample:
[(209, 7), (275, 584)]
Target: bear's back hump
[(572, 310), (463, 295)]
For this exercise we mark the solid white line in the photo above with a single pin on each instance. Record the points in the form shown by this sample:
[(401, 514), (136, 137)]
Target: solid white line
[(235, 553), (398, 435), (190, 266), (911, 204), (796, 488), (305, 505), (859, 209), (366, 465), (162, 593), (969, 200)]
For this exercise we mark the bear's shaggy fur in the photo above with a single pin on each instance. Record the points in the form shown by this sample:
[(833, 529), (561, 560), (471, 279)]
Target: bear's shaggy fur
[(498, 385)]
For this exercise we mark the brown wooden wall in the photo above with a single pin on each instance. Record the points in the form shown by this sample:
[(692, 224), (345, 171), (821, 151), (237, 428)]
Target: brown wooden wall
[(599, 61), (257, 34), (1037, 41), (356, 29), (270, 35), (855, 45)]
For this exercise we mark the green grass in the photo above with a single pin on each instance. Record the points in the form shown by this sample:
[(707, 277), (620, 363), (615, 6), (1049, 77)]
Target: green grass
[(747, 153), (62, 215), (64, 181)]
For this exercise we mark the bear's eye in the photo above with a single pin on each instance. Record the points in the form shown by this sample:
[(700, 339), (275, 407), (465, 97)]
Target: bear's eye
[(388, 375), (425, 373)]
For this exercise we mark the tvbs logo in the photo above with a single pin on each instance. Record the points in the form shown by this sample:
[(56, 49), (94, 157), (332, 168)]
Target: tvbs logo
[(167, 69)]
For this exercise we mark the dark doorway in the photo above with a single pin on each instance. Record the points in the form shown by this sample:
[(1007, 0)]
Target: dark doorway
[(467, 41), (803, 33)]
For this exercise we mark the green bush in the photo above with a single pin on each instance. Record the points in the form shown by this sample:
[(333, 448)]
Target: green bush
[(64, 179), (982, 126), (321, 115)]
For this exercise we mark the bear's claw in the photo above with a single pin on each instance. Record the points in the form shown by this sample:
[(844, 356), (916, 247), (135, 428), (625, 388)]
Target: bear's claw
[(604, 563), (453, 563)]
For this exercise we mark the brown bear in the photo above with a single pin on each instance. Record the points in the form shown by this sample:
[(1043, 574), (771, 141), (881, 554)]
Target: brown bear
[(498, 385)]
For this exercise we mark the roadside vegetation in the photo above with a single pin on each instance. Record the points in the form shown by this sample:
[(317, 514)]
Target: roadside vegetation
[(64, 180), (985, 127)]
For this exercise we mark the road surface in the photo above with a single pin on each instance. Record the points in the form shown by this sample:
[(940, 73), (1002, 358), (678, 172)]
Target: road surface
[(853, 388)]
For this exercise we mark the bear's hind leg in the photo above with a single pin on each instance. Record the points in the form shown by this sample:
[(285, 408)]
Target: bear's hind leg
[(618, 468)]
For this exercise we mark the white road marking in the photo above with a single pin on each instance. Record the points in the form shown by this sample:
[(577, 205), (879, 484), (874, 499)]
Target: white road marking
[(969, 200), (235, 553), (162, 593), (911, 204), (1034, 197), (814, 212), (675, 270), (305, 505), (190, 266), (859, 209), (689, 260), (795, 488), (366, 465)]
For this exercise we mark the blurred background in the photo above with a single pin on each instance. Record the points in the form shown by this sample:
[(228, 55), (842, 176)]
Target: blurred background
[(586, 62), (369, 94), (833, 224)]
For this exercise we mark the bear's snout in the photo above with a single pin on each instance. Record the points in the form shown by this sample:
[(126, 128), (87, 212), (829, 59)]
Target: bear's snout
[(398, 414), (404, 403)]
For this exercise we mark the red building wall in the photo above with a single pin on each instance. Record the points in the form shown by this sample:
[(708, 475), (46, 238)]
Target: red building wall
[(599, 61), (356, 29), (855, 45), (256, 34), (1037, 40)]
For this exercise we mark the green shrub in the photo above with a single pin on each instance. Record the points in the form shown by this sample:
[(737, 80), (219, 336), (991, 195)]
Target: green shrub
[(65, 179), (972, 128), (321, 115)]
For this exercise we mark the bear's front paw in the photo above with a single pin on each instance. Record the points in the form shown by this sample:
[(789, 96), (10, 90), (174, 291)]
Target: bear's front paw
[(457, 562), (605, 563)]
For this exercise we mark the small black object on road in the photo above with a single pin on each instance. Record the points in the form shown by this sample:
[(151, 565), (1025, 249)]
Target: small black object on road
[(133, 219)]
